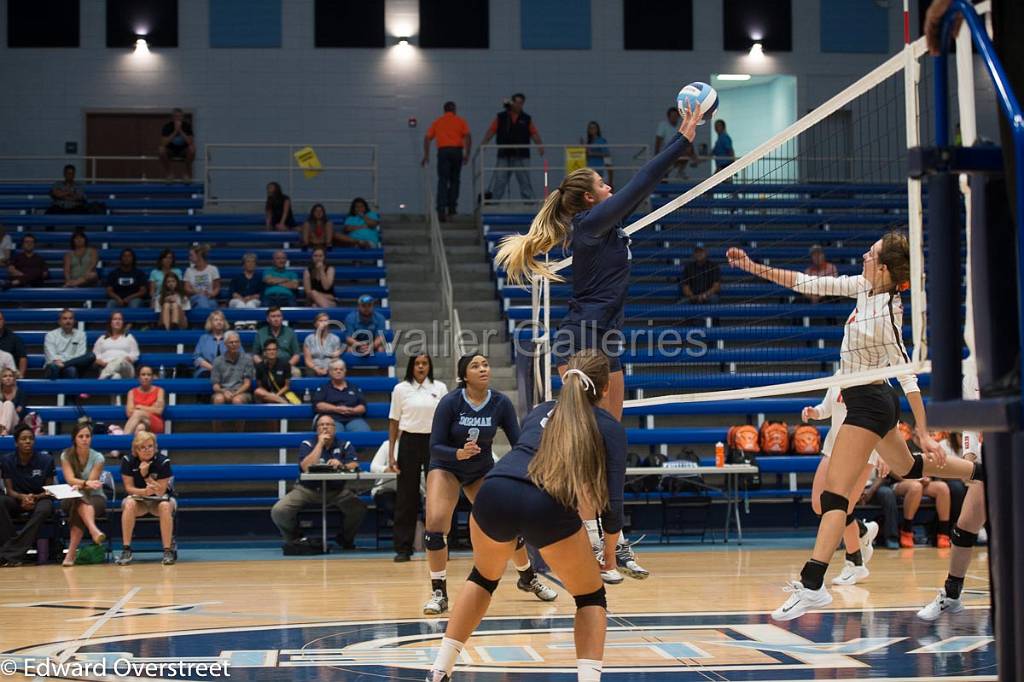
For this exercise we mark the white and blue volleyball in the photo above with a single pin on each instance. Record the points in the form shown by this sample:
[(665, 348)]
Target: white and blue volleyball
[(701, 97)]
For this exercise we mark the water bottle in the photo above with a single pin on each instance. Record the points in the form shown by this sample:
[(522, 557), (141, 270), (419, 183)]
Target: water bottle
[(163, 372), (306, 397), (719, 454)]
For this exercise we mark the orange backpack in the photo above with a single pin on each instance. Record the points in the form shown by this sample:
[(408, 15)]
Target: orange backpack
[(774, 438), (743, 438), (806, 440)]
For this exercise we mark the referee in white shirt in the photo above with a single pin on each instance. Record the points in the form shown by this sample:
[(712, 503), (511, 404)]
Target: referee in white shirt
[(413, 402)]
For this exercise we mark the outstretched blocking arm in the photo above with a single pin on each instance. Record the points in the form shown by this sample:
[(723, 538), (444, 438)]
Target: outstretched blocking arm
[(800, 282)]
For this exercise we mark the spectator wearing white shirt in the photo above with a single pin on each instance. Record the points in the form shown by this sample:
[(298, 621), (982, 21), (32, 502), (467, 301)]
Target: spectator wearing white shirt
[(65, 349), (116, 351), (202, 280), (321, 347), (413, 402)]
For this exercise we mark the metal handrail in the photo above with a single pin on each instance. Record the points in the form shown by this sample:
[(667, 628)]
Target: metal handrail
[(448, 308)]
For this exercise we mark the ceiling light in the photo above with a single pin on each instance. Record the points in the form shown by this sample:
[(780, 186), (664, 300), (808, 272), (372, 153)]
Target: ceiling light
[(403, 40), (141, 46), (756, 50), (733, 76)]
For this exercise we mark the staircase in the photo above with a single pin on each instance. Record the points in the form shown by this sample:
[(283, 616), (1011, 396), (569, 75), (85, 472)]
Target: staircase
[(415, 298)]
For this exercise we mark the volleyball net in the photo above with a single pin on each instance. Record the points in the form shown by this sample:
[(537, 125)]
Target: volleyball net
[(813, 199)]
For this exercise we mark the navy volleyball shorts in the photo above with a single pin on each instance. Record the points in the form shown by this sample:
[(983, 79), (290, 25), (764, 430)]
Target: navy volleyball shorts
[(875, 407), (506, 508), (467, 471), (573, 337)]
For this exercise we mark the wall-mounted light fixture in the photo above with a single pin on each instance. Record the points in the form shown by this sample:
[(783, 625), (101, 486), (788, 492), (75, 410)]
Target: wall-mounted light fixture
[(757, 51), (141, 46), (403, 40)]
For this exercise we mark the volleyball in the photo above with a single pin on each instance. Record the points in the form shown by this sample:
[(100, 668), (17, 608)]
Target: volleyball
[(701, 97)]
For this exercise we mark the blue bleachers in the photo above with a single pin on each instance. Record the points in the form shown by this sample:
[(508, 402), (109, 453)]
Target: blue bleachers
[(42, 203), (74, 387), (377, 360), (220, 254), (185, 337), (146, 315), (103, 190), (719, 310), (116, 413), (61, 294)]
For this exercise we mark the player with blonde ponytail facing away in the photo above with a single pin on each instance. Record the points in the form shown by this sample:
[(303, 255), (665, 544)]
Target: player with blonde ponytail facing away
[(571, 456)]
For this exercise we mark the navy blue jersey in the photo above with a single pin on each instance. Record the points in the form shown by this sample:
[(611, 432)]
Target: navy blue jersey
[(517, 462), (600, 247), (455, 417), (30, 478)]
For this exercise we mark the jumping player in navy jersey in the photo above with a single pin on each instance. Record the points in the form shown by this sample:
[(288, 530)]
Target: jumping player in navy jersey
[(465, 424), (570, 457)]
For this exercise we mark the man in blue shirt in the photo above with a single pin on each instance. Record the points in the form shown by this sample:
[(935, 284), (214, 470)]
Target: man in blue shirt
[(25, 472), (364, 328), (341, 400), (281, 283), (340, 456), (722, 151)]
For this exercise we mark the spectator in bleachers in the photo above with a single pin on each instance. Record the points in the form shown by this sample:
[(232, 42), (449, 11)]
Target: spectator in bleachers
[(280, 282), (318, 280), (126, 285), (247, 286), (232, 373), (453, 145), (6, 247), (321, 347), (12, 401), (147, 478), (513, 126), (145, 404), (210, 345), (278, 209), (13, 344), (287, 343), (318, 230), (879, 492), (164, 264), (172, 303), (912, 490), (82, 467), (340, 455), (819, 267), (364, 327), (67, 195), (410, 422), (597, 154), (202, 280), (65, 350), (177, 143), (341, 400), (24, 473), (117, 351), (273, 377), (80, 262), (723, 150), (663, 135), (702, 279), (7, 361), (27, 268), (360, 227)]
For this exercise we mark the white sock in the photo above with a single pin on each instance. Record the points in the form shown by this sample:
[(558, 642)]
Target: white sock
[(594, 532), (588, 670), (447, 655), (439, 575), (524, 567)]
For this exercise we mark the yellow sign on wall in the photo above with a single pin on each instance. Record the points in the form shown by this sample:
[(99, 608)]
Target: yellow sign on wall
[(575, 158), (309, 161)]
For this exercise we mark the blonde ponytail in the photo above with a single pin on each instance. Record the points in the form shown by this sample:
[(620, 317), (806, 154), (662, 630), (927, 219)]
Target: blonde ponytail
[(570, 461), (550, 228)]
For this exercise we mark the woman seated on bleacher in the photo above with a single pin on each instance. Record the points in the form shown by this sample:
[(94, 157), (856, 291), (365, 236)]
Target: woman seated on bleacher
[(171, 303), (12, 401), (210, 344), (80, 262), (145, 404), (321, 347), (116, 351), (82, 467), (318, 230), (360, 227), (164, 264), (278, 209), (146, 475), (247, 286), (318, 280), (202, 280)]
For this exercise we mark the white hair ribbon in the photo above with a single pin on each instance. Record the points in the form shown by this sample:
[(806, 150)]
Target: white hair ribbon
[(587, 382)]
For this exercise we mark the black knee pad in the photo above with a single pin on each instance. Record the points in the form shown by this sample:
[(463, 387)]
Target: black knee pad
[(916, 471), (850, 518), (433, 540), (596, 598), (962, 538), (489, 585), (520, 542), (830, 501)]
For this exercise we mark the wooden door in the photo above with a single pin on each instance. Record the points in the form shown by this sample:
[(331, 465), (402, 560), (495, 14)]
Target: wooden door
[(125, 134)]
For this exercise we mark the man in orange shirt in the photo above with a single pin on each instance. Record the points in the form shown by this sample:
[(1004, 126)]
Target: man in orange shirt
[(513, 126), (453, 145)]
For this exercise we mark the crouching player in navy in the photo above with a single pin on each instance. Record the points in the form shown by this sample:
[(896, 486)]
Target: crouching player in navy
[(146, 476), (570, 459), (465, 424), (340, 455)]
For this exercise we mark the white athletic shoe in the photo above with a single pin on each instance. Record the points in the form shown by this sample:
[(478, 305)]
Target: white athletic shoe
[(625, 559), (543, 592), (851, 574), (801, 600), (612, 577), (436, 605), (940, 605), (867, 541)]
